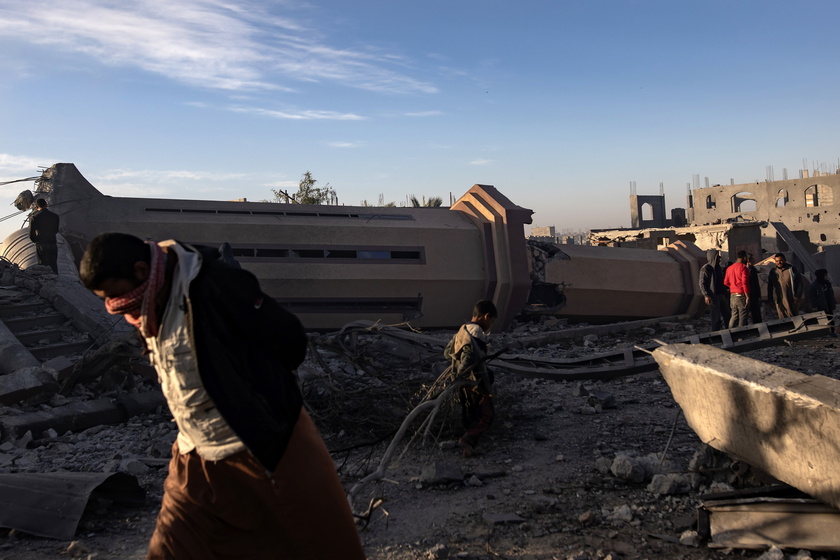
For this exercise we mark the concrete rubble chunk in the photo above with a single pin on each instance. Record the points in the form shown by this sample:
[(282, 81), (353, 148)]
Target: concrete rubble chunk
[(26, 383), (778, 420), (441, 472)]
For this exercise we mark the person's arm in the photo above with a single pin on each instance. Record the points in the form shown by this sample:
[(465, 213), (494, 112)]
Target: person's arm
[(33, 232), (702, 282)]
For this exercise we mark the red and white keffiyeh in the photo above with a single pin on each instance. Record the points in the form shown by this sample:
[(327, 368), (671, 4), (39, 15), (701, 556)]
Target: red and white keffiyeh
[(139, 305)]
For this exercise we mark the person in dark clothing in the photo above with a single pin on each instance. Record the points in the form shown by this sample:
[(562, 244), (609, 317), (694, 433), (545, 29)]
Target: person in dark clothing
[(714, 291), (784, 287), (467, 353), (250, 477), (821, 296), (43, 227), (755, 290)]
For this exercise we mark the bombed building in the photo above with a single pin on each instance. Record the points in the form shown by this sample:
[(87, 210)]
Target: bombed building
[(334, 264)]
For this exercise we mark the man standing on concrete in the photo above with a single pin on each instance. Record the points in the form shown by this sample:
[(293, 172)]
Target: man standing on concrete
[(713, 290), (250, 477), (737, 279), (43, 227), (784, 287)]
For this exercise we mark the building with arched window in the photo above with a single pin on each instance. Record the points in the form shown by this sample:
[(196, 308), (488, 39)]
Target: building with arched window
[(808, 206)]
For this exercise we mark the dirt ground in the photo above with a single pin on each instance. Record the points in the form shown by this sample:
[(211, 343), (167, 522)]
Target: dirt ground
[(540, 487)]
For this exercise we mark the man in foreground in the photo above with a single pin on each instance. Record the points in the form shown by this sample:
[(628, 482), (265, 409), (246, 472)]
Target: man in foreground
[(250, 476)]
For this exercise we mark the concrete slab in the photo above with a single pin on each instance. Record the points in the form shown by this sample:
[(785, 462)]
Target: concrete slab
[(13, 354), (784, 422), (25, 383)]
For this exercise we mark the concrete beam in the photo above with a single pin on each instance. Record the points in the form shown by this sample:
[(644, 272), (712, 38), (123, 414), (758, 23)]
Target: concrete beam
[(784, 422), (13, 354), (25, 383), (80, 416)]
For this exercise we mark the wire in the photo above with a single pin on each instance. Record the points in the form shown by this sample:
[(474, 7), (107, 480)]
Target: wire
[(19, 180), (3, 219)]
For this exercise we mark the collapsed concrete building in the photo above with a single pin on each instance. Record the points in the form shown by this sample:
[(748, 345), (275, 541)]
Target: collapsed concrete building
[(808, 206), (335, 264)]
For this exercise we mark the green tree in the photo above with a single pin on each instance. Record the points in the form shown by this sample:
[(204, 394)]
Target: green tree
[(308, 193), (433, 202)]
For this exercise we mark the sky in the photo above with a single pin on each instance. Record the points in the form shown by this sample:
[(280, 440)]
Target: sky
[(560, 104)]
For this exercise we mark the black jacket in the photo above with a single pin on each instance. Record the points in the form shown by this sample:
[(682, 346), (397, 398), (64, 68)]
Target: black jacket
[(43, 226), (711, 276), (246, 346)]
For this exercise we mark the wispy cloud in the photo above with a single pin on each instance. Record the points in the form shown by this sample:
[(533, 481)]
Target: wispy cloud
[(242, 46), (481, 161), (424, 114), (17, 167), (299, 115), (345, 144), (164, 183)]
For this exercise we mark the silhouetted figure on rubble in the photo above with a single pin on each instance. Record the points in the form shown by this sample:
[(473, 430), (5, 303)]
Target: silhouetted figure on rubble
[(467, 353), (784, 287), (250, 477), (713, 290), (43, 227), (821, 296)]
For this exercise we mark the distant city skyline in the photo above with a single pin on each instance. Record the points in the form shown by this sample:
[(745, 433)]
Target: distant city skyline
[(559, 105)]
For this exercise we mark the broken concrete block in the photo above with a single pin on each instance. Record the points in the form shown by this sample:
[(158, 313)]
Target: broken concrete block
[(59, 367), (13, 354), (775, 419), (601, 398), (441, 472), (672, 483), (621, 513), (690, 538), (628, 468), (133, 467), (25, 383)]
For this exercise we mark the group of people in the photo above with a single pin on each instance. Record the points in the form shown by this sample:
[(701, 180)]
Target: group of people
[(733, 294)]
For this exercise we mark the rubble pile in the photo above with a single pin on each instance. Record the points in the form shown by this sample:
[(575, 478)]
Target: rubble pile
[(579, 470)]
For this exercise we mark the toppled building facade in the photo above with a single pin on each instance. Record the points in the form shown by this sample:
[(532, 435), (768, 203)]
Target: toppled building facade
[(335, 264)]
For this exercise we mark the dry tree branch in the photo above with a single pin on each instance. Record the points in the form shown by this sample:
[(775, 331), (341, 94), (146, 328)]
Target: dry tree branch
[(433, 404)]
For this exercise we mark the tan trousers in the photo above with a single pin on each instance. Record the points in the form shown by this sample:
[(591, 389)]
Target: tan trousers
[(233, 509)]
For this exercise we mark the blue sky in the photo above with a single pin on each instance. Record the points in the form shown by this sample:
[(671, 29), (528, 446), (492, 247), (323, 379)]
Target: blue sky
[(559, 104)]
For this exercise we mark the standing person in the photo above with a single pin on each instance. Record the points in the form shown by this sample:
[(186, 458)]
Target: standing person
[(713, 290), (821, 296), (467, 352), (43, 227), (250, 477), (784, 287), (755, 291), (737, 279)]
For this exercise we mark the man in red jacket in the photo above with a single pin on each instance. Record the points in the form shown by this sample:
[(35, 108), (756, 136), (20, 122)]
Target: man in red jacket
[(737, 279)]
